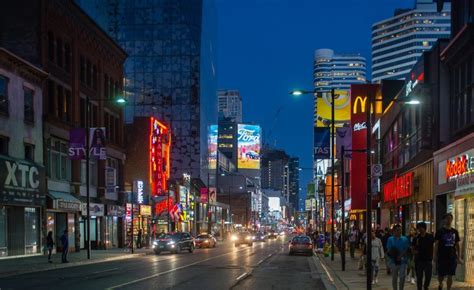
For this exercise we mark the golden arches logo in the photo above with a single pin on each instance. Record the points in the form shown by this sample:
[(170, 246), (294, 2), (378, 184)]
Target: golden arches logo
[(361, 101)]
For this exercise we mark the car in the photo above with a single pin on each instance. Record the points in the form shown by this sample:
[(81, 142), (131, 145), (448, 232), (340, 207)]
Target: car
[(252, 155), (205, 241), (242, 238), (272, 235), (259, 237), (301, 244), (174, 243)]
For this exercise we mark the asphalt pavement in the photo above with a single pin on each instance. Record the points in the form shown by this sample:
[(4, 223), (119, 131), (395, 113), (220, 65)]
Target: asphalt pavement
[(224, 267)]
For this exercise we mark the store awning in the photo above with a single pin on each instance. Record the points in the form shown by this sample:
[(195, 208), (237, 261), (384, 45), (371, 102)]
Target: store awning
[(64, 201)]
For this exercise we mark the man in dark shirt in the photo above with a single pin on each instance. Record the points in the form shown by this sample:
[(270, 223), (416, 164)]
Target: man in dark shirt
[(65, 241), (447, 252), (422, 246)]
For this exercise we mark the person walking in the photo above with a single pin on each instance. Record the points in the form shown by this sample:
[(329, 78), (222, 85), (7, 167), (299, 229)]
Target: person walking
[(377, 254), (397, 248), (353, 242), (65, 242), (411, 258), (49, 245), (446, 252), (422, 247), (386, 235), (139, 239)]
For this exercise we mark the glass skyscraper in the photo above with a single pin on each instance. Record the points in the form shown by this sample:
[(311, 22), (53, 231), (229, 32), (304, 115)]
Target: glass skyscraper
[(170, 70)]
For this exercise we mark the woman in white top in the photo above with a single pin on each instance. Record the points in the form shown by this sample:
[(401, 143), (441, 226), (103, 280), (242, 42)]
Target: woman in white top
[(377, 254)]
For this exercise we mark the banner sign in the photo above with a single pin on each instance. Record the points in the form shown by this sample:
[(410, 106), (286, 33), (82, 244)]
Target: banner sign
[(358, 180), (212, 195), (97, 143), (77, 144), (322, 147), (204, 195), (95, 209), (212, 146), (311, 190), (110, 186), (21, 182), (344, 138)]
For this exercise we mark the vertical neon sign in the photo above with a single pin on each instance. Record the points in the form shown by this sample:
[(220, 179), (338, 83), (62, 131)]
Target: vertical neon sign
[(160, 145)]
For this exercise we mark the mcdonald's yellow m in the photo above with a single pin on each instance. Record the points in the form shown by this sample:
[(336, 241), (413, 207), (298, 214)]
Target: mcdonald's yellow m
[(361, 101)]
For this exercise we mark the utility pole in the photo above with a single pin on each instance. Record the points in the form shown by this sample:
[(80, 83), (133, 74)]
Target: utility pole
[(332, 174)]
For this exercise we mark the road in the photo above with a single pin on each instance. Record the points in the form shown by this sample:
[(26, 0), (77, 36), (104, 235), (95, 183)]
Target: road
[(262, 266)]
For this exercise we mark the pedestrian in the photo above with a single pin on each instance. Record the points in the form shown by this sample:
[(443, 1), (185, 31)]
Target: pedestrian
[(65, 242), (422, 247), (363, 246), (397, 248), (353, 242), (49, 245), (139, 239), (446, 252), (377, 254), (384, 240), (411, 258)]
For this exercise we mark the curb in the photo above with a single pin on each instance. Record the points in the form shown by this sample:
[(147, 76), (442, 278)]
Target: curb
[(323, 272), (74, 264)]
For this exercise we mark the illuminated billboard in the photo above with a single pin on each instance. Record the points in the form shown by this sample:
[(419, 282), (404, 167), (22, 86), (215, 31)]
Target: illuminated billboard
[(342, 111), (160, 145), (248, 143), (212, 146)]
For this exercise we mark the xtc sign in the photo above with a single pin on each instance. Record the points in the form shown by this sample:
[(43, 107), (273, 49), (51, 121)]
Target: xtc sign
[(459, 166), (21, 182)]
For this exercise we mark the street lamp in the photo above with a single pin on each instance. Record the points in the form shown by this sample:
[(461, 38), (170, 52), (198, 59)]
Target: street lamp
[(119, 100)]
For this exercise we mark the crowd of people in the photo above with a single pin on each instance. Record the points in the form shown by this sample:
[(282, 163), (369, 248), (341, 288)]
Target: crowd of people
[(413, 258)]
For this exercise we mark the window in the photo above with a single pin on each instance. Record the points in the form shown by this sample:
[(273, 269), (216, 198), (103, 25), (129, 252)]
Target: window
[(82, 68), (67, 57), (82, 118), (29, 111), (94, 77), (51, 97), (4, 145), (88, 73), (29, 152), (51, 46), (60, 165), (32, 230), (59, 52), (3, 94)]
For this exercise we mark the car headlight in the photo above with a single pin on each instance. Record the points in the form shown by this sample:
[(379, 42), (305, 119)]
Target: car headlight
[(234, 238), (247, 238), (206, 241), (171, 243), (155, 243)]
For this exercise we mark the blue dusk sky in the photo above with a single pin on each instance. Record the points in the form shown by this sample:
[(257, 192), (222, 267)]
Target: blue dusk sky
[(266, 48)]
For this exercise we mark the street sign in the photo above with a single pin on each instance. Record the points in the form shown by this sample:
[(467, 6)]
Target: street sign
[(376, 170)]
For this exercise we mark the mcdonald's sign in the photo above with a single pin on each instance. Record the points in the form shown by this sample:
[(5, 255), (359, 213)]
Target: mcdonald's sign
[(359, 104)]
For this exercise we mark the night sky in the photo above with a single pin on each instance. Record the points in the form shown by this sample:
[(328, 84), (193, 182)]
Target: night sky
[(266, 48)]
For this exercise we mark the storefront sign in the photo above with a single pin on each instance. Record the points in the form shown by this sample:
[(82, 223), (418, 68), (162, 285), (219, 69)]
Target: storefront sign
[(160, 142), (162, 207), (204, 195), (115, 210), (95, 209), (399, 187), (138, 190), (68, 205), (459, 166), (21, 182), (145, 210)]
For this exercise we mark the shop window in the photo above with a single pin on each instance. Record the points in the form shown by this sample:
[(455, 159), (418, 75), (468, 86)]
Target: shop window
[(29, 152), (4, 145), (32, 229), (29, 112), (3, 95), (3, 232)]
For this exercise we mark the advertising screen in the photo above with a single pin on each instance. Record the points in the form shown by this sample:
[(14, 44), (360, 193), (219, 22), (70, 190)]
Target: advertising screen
[(248, 138), (342, 111), (212, 146)]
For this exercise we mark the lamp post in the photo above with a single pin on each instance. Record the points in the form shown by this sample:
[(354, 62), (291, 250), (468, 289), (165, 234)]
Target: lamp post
[(119, 100)]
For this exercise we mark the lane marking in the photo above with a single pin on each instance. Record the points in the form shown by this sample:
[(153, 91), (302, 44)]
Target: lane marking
[(326, 270), (171, 270), (242, 276), (104, 271)]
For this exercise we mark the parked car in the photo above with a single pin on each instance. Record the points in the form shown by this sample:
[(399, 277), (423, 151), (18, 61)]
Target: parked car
[(174, 243), (301, 244), (205, 241), (242, 238)]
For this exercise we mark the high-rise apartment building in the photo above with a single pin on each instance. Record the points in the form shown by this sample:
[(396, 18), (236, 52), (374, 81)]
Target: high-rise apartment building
[(294, 181), (273, 169), (337, 71), (398, 42), (170, 72), (229, 105)]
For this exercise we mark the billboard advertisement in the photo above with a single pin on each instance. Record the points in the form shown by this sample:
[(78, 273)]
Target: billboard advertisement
[(212, 146), (342, 112), (359, 95), (160, 146), (248, 138), (97, 143), (322, 147), (77, 144)]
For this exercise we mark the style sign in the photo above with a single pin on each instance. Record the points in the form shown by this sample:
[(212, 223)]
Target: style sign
[(77, 144), (97, 143), (322, 147)]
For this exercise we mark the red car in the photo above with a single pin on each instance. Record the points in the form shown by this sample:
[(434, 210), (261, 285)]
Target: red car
[(205, 241)]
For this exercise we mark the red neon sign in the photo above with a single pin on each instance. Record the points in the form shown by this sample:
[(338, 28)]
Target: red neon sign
[(160, 144), (457, 167), (399, 187), (164, 206)]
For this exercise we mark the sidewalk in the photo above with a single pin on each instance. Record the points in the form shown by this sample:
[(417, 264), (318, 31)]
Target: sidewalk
[(354, 279), (38, 263)]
